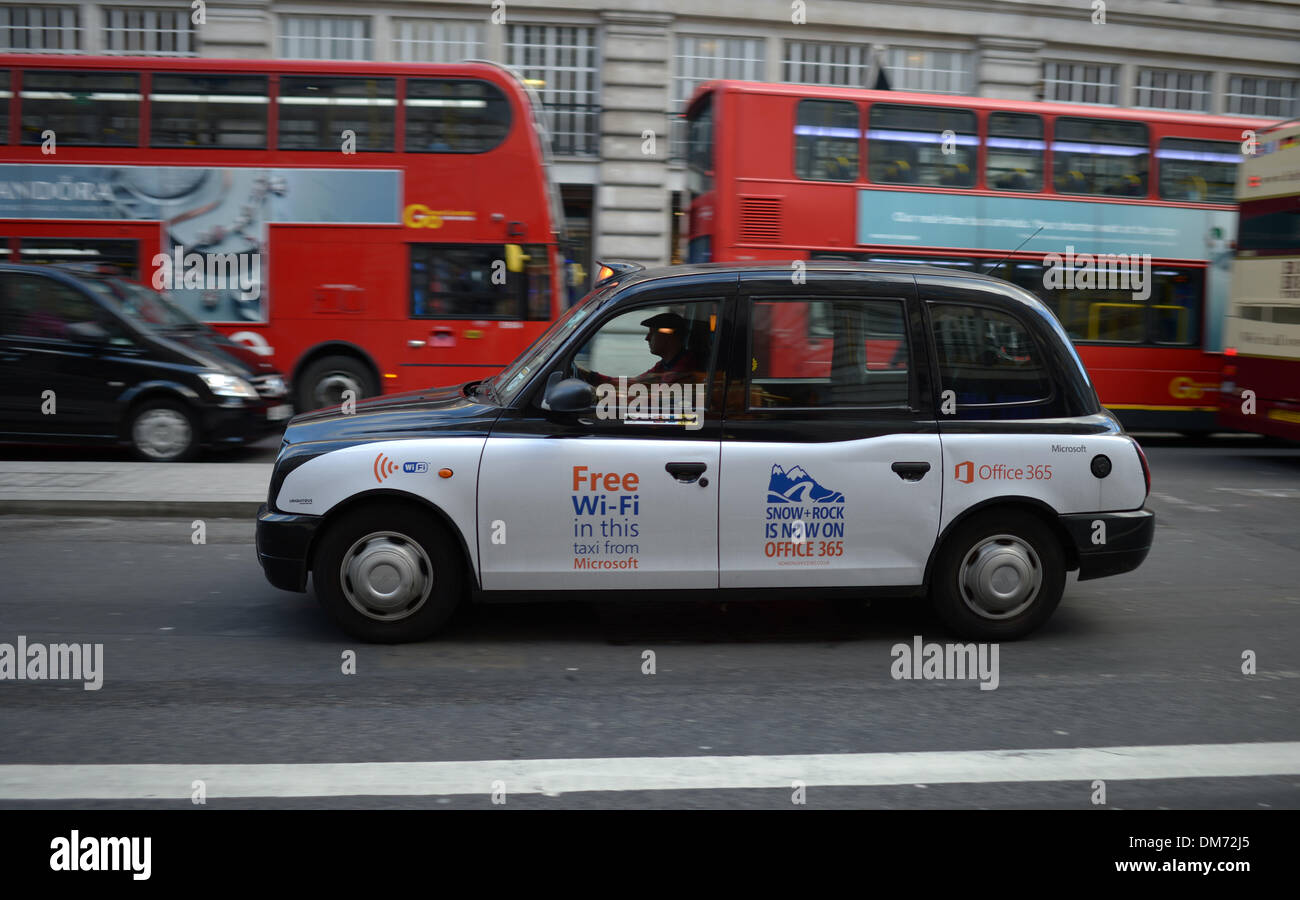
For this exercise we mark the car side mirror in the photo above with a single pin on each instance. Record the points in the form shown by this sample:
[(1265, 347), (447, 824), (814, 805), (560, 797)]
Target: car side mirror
[(570, 395), (88, 333)]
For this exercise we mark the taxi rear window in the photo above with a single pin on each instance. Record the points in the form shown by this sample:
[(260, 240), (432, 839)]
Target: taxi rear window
[(832, 352), (986, 357)]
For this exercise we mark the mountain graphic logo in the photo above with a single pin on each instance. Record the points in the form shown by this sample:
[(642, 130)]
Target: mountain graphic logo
[(797, 486)]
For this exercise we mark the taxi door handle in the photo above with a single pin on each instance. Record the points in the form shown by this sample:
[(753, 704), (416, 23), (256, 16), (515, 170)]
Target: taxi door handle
[(687, 472), (911, 471)]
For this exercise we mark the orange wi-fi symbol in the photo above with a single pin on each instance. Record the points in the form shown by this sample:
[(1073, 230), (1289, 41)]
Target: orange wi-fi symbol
[(384, 467)]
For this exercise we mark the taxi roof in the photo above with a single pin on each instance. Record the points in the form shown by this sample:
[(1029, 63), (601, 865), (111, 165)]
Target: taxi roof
[(749, 267)]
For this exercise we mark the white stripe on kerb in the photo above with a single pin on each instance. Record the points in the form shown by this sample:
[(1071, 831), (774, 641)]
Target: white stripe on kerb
[(654, 773)]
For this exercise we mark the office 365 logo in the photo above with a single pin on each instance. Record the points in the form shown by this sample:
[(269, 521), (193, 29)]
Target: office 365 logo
[(965, 472)]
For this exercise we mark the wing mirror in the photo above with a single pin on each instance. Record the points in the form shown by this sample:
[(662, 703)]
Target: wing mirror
[(568, 395)]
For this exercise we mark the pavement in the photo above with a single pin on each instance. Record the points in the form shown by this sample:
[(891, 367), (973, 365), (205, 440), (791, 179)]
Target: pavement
[(132, 488)]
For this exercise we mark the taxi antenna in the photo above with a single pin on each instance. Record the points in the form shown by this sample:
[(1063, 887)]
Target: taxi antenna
[(1017, 250)]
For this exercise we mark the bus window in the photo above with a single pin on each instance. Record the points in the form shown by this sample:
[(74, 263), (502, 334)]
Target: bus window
[(1015, 152), (1100, 156), (85, 109), (208, 111), (4, 106), (826, 140), (1269, 227), (122, 255), (906, 144), (1200, 171), (459, 281), (454, 115), (699, 147), (315, 111)]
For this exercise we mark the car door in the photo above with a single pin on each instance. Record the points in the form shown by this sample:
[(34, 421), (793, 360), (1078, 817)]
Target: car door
[(626, 495), (830, 450)]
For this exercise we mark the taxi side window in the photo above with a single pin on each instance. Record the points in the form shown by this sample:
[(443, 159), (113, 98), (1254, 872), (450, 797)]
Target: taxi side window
[(40, 307), (654, 345), (841, 352), (986, 358)]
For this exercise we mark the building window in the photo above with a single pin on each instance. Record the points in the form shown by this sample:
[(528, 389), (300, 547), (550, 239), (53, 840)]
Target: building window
[(149, 32), (1267, 97), (39, 29), (1173, 89), (810, 62), (560, 62), (700, 59), (1080, 83), (435, 41), (325, 37), (928, 71)]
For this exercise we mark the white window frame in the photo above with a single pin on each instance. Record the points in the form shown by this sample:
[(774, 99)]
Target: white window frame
[(68, 30), (826, 62), (1279, 90), (1076, 83), (1156, 86), (295, 35), (435, 40), (566, 59), (140, 31), (929, 77)]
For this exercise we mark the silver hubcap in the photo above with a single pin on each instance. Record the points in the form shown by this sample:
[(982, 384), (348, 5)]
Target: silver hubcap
[(330, 388), (386, 576), (1000, 577), (161, 433)]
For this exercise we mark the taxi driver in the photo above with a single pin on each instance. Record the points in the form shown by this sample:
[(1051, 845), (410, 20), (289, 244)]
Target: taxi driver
[(666, 335)]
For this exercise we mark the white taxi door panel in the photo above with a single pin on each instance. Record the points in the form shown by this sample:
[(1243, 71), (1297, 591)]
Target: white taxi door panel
[(586, 512), (829, 514), (1055, 469)]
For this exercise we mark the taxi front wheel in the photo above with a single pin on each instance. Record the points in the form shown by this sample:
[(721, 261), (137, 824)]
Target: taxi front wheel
[(999, 576), (388, 574)]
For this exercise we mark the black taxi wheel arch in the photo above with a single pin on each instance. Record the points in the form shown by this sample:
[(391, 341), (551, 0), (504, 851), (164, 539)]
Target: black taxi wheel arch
[(998, 575), (388, 571)]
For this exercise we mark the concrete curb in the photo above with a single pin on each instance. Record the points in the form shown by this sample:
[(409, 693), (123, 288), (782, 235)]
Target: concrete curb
[(220, 509)]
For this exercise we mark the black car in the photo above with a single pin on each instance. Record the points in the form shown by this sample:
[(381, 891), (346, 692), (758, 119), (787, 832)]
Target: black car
[(87, 357)]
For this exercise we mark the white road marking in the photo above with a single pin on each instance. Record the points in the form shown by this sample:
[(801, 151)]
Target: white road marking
[(1186, 504), (565, 776), (1284, 493)]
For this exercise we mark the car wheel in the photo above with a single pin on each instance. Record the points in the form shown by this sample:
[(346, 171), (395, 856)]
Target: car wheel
[(999, 576), (388, 574), (162, 431), (324, 382)]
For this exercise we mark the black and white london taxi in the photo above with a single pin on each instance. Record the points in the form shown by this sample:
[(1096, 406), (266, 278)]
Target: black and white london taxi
[(878, 428)]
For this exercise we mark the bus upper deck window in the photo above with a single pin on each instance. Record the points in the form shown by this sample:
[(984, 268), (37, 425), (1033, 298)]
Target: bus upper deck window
[(1198, 171), (826, 140), (455, 115), (199, 110), (1015, 152), (922, 145), (1100, 156), (87, 109), (316, 110)]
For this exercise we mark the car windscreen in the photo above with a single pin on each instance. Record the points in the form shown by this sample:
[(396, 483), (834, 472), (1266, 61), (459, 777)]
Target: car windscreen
[(142, 306)]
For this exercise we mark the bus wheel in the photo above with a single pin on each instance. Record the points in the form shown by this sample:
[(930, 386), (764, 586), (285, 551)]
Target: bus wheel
[(388, 574), (162, 431), (324, 382), (999, 576)]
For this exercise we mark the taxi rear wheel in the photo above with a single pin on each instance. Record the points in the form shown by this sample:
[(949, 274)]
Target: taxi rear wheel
[(388, 574), (999, 576)]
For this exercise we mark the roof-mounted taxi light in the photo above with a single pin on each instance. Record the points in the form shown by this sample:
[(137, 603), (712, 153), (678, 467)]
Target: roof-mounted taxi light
[(608, 270)]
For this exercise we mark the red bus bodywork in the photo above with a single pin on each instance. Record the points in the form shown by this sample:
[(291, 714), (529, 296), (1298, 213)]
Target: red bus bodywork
[(756, 208), (336, 289)]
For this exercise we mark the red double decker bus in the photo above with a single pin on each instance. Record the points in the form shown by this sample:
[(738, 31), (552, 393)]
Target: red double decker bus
[(370, 227), (1121, 220)]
